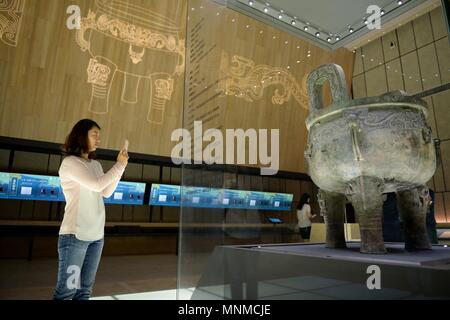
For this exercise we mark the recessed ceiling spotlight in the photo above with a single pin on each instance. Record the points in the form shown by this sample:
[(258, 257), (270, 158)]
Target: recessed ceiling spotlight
[(266, 9), (365, 21), (305, 28), (329, 39), (399, 2), (350, 30), (338, 38), (382, 12), (250, 3), (317, 34), (293, 22), (280, 16)]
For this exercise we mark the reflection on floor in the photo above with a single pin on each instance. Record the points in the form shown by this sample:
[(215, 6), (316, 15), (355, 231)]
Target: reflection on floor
[(117, 275), (284, 279), (308, 288), (152, 295), (153, 277)]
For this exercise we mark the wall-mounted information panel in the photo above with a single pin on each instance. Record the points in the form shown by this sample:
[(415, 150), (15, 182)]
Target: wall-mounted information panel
[(22, 186), (172, 195)]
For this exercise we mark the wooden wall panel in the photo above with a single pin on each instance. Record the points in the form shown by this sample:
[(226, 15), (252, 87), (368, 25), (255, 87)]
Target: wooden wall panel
[(47, 79), (252, 62), (134, 88)]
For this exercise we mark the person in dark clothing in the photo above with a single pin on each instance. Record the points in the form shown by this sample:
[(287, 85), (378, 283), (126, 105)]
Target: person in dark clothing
[(431, 221)]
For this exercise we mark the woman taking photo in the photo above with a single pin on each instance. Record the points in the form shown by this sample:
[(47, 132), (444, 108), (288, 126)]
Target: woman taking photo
[(84, 185), (304, 216)]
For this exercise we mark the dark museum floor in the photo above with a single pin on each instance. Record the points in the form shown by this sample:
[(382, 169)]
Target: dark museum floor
[(117, 275), (149, 277)]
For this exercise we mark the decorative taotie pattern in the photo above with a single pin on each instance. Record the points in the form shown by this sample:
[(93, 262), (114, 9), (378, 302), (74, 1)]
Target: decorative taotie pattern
[(136, 57), (118, 21), (98, 73), (164, 88), (135, 35), (11, 13)]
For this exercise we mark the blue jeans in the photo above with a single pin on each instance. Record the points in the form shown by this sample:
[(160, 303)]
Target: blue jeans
[(78, 264)]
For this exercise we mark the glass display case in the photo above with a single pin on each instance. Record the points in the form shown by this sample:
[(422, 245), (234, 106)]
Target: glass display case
[(245, 84)]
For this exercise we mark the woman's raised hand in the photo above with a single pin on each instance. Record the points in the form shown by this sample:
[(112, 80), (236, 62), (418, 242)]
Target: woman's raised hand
[(123, 157)]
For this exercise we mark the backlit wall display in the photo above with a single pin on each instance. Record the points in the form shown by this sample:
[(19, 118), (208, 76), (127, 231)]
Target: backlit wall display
[(4, 185), (171, 195), (48, 188), (127, 193), (165, 195), (34, 187)]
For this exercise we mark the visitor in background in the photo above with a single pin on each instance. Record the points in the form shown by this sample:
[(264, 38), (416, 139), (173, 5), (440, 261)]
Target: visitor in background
[(304, 216), (431, 221)]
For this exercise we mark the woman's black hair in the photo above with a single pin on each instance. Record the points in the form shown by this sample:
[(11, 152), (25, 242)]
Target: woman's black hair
[(77, 141), (303, 199)]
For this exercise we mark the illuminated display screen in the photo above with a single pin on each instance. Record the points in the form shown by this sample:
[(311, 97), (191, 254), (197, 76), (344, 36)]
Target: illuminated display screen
[(165, 195), (4, 185), (170, 195), (48, 188), (32, 187), (127, 193), (275, 220)]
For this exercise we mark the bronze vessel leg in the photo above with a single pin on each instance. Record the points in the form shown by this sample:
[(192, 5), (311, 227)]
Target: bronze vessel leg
[(367, 199), (413, 206), (332, 206)]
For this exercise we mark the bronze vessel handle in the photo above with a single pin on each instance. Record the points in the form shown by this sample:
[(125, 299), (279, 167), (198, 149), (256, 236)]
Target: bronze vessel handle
[(339, 93)]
